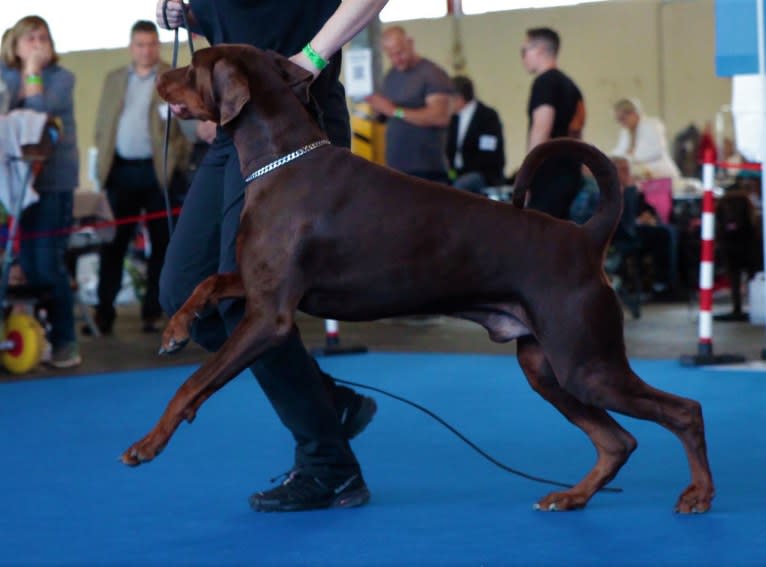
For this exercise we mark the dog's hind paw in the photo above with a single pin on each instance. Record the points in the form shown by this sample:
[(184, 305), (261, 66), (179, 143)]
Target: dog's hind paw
[(561, 502)]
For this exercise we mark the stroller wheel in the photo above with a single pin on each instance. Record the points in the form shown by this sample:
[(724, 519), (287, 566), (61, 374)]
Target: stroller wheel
[(28, 338)]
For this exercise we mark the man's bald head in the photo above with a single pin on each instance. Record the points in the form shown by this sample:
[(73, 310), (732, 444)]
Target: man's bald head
[(399, 48)]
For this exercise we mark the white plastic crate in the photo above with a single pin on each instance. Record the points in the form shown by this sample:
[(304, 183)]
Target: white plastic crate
[(755, 293)]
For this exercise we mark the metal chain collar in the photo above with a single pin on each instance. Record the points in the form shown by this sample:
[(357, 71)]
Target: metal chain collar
[(285, 159)]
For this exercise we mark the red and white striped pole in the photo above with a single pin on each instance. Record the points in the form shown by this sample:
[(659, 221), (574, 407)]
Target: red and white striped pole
[(333, 344), (707, 262), (331, 332), (707, 256)]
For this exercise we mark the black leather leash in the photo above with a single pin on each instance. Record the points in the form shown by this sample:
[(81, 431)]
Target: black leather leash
[(166, 145), (467, 441)]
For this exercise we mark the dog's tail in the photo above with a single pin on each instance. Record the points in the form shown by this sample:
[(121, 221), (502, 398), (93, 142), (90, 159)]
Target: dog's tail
[(601, 226)]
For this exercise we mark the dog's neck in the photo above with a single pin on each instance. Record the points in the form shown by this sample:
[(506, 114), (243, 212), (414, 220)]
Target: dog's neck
[(261, 139)]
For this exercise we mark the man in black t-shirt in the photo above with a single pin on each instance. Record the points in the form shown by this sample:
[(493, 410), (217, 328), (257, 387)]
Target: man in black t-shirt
[(556, 109)]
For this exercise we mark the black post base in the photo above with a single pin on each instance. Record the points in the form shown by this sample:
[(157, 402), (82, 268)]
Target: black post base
[(335, 349), (710, 359)]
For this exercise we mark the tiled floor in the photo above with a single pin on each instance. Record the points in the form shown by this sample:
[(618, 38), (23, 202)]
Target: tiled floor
[(664, 331)]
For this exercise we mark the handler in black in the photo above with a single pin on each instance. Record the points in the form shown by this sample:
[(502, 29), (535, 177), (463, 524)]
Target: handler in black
[(321, 415), (556, 109)]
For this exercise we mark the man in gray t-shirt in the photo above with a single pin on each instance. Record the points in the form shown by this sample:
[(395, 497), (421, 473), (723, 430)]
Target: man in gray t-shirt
[(415, 99)]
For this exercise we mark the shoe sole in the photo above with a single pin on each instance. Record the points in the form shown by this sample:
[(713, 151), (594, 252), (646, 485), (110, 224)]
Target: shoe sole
[(362, 418), (352, 499), (71, 363)]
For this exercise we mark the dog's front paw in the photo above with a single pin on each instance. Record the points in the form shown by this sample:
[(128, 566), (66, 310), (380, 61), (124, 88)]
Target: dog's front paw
[(175, 336), (562, 501), (695, 500), (143, 451)]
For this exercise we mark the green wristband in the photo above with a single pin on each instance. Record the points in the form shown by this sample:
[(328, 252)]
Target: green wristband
[(317, 60), (33, 79), (399, 113)]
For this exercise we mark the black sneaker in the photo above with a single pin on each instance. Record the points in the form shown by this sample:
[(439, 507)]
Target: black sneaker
[(356, 415), (303, 491)]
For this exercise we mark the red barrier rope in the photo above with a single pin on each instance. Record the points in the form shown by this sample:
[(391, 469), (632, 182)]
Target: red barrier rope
[(749, 166), (95, 225)]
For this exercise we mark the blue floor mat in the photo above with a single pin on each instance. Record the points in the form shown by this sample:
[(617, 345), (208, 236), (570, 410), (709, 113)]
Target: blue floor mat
[(68, 501)]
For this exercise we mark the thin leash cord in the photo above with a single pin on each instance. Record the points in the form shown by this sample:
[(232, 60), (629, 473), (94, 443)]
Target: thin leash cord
[(467, 441), (166, 145)]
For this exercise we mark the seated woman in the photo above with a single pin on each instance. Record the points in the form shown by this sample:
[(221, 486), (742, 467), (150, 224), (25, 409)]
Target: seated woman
[(642, 142), (640, 226)]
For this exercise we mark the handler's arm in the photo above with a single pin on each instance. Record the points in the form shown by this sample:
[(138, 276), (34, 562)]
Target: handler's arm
[(436, 111), (542, 125), (347, 21)]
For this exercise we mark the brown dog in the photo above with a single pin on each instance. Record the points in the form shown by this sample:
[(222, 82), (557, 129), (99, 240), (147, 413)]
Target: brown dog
[(338, 237)]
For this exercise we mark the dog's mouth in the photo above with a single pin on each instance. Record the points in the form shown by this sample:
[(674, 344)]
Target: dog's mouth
[(181, 111)]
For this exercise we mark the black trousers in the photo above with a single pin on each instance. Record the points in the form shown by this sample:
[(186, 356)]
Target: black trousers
[(132, 188)]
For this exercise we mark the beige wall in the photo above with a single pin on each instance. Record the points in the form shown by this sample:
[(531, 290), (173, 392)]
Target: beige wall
[(659, 51)]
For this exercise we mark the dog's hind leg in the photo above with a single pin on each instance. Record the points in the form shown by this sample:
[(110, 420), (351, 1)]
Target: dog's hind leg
[(206, 294), (616, 387), (613, 444), (259, 330)]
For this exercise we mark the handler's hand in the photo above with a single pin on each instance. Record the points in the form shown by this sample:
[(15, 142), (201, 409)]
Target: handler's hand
[(381, 104), (302, 61), (206, 131), (173, 12)]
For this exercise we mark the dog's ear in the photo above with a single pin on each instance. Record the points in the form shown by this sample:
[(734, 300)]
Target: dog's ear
[(231, 90), (298, 79)]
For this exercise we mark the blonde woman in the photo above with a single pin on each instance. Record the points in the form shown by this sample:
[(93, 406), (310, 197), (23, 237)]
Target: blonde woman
[(34, 80), (642, 141)]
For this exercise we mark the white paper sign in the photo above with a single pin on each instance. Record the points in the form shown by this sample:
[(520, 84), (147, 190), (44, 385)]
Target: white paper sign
[(358, 76)]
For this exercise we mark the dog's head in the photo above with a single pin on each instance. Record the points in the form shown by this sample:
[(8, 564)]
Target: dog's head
[(735, 216), (221, 80)]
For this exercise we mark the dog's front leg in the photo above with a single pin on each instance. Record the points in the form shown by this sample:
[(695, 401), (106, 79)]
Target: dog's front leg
[(254, 334), (206, 294)]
